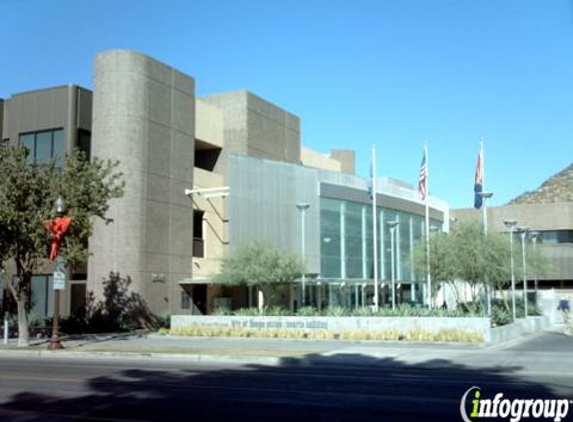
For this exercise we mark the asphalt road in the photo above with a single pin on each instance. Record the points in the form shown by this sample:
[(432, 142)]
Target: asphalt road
[(349, 387)]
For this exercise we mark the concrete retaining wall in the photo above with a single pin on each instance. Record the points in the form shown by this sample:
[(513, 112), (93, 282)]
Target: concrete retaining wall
[(402, 324), (519, 328)]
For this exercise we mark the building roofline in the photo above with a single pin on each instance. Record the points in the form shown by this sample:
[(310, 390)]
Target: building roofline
[(32, 91)]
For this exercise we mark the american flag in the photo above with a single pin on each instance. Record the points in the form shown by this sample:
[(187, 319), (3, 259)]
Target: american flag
[(478, 186), (422, 186)]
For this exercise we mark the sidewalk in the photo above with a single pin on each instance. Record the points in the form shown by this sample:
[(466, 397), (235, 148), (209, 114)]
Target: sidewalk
[(522, 353), (244, 350)]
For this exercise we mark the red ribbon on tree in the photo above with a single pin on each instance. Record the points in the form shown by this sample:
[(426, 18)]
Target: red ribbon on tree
[(58, 228)]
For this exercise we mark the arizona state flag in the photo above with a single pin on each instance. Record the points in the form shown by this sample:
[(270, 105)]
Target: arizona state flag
[(478, 187)]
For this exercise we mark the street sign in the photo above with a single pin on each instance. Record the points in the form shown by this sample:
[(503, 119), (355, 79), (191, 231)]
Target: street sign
[(59, 280)]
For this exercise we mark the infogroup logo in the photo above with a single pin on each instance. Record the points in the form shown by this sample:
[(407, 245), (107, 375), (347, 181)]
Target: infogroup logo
[(513, 409)]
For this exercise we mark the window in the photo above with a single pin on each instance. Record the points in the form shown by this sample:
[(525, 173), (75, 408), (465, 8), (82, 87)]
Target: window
[(198, 241), (552, 237), (5, 143), (206, 155), (85, 142), (44, 145)]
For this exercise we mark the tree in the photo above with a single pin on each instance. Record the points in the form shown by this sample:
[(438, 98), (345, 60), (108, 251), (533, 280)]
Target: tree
[(467, 255), (27, 195), (442, 266), (260, 265)]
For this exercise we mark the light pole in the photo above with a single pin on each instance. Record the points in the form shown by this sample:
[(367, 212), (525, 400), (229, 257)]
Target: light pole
[(392, 225), (302, 207), (523, 232), (534, 236), (510, 224), (55, 341), (485, 196)]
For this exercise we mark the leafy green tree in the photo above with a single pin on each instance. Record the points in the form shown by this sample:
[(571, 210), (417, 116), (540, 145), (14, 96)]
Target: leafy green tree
[(467, 255), (260, 265), (442, 267), (27, 195)]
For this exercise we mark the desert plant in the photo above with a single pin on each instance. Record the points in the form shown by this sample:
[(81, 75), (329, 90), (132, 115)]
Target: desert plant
[(308, 311), (276, 311), (247, 312), (221, 311), (362, 312), (336, 311)]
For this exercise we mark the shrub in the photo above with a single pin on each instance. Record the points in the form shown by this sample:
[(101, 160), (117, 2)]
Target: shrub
[(247, 312), (362, 312), (308, 311), (276, 311), (500, 316), (221, 311), (336, 311)]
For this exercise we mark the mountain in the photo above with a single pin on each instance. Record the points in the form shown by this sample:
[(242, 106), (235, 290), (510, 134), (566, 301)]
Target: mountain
[(558, 188)]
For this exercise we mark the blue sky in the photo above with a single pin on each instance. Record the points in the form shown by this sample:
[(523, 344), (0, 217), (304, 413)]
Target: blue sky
[(393, 73)]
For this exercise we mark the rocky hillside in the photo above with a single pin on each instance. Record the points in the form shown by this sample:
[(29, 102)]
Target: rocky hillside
[(558, 188)]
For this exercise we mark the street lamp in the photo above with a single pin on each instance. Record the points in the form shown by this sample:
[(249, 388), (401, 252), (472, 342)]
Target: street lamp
[(510, 224), (523, 232), (55, 343), (485, 196), (302, 207), (392, 225), (535, 235)]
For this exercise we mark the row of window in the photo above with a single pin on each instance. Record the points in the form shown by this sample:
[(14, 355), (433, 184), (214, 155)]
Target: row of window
[(550, 237), (347, 241), (42, 146), (47, 144)]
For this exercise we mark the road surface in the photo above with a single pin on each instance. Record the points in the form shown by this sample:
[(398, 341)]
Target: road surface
[(343, 387)]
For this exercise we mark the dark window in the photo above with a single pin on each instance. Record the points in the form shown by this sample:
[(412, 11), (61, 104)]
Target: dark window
[(78, 299), (198, 241), (552, 237), (42, 146), (85, 142), (206, 158), (198, 223), (206, 155)]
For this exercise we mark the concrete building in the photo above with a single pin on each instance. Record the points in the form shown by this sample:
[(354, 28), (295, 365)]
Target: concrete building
[(554, 222), (242, 158)]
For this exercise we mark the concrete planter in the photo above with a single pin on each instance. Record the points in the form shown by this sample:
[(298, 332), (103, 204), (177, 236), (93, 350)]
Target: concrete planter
[(403, 325)]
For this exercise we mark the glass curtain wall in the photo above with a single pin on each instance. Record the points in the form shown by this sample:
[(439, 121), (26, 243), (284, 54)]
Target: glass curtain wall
[(347, 266)]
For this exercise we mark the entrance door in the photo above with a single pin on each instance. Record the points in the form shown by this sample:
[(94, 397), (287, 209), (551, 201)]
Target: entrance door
[(199, 297)]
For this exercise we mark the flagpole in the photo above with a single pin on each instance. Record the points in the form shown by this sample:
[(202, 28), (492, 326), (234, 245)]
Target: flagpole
[(426, 200), (374, 228), (482, 158)]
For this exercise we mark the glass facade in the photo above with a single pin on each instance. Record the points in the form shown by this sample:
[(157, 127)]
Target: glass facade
[(45, 145), (347, 256)]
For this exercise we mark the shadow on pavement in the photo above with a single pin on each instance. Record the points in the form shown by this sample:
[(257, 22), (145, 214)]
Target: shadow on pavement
[(314, 388)]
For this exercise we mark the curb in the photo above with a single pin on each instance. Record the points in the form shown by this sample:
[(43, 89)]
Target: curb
[(243, 360)]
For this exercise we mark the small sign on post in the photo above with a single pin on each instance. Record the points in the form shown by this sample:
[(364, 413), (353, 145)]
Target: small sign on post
[(59, 280)]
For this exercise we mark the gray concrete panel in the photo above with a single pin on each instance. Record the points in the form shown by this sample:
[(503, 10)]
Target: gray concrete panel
[(143, 115), (37, 110), (85, 104)]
